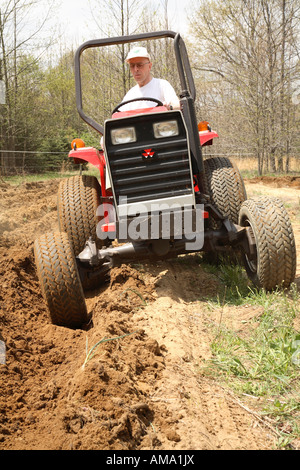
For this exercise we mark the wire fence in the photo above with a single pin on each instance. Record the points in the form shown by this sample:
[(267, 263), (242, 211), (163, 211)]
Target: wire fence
[(23, 163), (18, 163)]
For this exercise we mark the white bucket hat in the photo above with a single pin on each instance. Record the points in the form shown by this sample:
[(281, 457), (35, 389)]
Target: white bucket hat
[(138, 52)]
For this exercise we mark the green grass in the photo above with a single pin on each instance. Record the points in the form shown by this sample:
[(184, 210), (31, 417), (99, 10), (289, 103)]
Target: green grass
[(248, 174), (90, 353), (18, 179), (234, 284), (28, 178), (262, 360), (253, 173)]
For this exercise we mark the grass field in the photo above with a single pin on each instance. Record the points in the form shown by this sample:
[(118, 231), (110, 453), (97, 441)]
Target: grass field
[(248, 166)]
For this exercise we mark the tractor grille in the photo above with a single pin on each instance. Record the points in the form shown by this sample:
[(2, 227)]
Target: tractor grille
[(166, 174), (163, 175)]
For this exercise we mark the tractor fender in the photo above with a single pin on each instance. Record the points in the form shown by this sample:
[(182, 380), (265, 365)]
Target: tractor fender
[(94, 157), (206, 137), (87, 154)]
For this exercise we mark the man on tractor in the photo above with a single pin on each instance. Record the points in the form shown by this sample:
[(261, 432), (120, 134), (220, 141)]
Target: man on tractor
[(147, 86)]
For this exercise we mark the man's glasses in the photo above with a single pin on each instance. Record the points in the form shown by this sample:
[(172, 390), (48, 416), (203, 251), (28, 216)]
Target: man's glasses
[(139, 65)]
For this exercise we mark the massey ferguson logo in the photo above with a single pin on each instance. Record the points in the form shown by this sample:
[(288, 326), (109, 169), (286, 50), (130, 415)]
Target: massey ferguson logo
[(148, 153)]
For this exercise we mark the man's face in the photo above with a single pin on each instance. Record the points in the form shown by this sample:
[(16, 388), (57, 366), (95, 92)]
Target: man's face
[(140, 68)]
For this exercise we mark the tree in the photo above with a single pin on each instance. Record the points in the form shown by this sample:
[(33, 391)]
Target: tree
[(246, 44), (119, 18), (13, 44)]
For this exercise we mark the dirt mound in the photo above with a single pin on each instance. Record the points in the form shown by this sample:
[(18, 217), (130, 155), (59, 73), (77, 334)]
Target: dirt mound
[(277, 181), (129, 381)]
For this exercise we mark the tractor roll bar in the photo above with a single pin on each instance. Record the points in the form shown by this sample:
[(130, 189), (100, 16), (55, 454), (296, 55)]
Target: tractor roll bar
[(184, 70)]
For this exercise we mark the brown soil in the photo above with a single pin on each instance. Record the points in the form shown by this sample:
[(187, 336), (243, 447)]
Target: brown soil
[(141, 391), (278, 182)]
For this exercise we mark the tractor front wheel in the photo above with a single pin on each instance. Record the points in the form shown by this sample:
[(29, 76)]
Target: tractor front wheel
[(274, 262), (59, 280)]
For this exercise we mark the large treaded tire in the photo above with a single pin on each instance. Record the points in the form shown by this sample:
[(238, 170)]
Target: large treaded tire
[(275, 262), (59, 280), (225, 187), (77, 203)]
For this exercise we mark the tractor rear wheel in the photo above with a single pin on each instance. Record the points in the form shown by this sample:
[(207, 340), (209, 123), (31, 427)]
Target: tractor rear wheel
[(59, 280), (224, 185), (77, 204), (78, 200), (274, 263)]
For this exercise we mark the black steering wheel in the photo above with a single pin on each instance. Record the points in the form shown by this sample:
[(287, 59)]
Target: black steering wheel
[(117, 110)]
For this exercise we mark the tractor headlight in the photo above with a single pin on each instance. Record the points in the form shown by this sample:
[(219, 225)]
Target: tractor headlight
[(125, 135), (165, 129)]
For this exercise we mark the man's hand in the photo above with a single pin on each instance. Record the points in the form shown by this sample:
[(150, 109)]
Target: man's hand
[(171, 106)]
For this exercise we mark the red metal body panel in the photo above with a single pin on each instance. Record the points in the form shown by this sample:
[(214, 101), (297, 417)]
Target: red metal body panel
[(96, 158), (133, 112), (87, 154), (206, 137)]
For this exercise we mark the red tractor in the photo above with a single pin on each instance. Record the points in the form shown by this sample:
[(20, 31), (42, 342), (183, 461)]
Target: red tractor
[(156, 197)]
